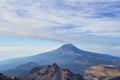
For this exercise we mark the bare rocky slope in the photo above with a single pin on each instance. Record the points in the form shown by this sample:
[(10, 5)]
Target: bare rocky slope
[(103, 72), (52, 72)]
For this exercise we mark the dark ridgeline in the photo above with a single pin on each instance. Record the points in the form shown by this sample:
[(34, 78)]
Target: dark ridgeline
[(52, 72), (49, 72), (2, 77), (67, 56), (21, 70), (117, 78)]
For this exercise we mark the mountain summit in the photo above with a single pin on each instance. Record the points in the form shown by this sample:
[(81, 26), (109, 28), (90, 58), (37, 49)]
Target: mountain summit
[(67, 46), (69, 49), (67, 56)]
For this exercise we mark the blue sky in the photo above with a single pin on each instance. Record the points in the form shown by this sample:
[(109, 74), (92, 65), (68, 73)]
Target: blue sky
[(32, 26)]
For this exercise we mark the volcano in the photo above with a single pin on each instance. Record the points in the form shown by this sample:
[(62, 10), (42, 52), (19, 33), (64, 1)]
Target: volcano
[(67, 56)]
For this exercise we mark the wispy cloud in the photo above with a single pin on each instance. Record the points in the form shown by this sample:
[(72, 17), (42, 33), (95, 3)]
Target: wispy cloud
[(75, 21), (21, 51)]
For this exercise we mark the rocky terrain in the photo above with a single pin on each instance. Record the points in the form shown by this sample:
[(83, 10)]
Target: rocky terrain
[(2, 77), (67, 56), (104, 72), (92, 66), (52, 72), (49, 72)]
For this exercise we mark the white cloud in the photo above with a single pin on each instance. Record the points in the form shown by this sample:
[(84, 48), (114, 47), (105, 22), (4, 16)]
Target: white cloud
[(39, 19), (92, 0), (84, 21)]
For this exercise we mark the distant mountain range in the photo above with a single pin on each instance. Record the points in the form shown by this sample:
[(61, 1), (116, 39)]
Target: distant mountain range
[(49, 72), (67, 56), (21, 70), (54, 72), (27, 66)]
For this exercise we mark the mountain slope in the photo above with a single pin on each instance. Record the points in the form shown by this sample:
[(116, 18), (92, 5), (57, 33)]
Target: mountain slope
[(52, 72), (102, 71), (27, 66), (117, 78), (21, 70), (67, 56), (2, 77)]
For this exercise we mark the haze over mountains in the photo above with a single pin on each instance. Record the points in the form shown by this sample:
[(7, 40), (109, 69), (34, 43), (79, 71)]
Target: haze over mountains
[(30, 30), (21, 70), (54, 72), (49, 72), (66, 56)]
